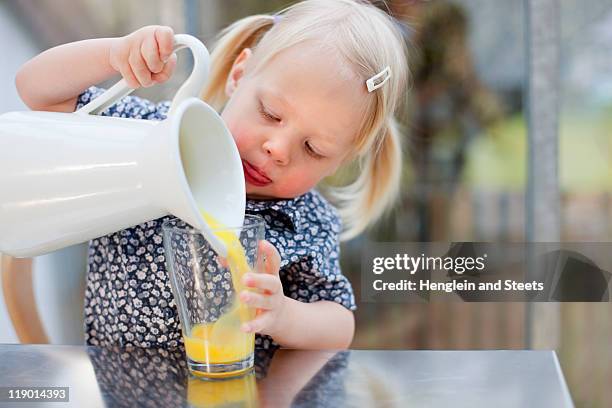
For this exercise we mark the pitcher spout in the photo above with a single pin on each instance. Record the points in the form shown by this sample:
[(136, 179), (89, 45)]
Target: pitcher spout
[(198, 169)]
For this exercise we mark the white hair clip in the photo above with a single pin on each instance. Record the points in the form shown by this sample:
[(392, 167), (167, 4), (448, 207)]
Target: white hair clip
[(379, 79)]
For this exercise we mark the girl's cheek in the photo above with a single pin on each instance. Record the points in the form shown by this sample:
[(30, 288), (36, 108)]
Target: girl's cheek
[(233, 124), (296, 183), (240, 136)]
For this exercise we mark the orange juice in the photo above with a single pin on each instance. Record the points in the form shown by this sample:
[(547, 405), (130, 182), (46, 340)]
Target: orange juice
[(230, 346), (222, 341)]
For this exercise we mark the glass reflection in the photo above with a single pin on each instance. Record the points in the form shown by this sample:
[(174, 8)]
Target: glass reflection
[(153, 377)]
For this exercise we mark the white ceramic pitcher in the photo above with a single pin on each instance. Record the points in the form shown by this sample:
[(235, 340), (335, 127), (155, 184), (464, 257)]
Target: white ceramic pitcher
[(66, 178)]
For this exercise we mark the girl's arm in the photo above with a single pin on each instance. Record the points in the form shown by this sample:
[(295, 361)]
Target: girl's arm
[(293, 324), (53, 79), (317, 325)]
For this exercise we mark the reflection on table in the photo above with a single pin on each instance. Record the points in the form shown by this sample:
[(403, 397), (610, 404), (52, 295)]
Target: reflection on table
[(116, 377)]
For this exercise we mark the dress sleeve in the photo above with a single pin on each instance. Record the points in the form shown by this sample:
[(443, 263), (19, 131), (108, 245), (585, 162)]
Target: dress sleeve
[(128, 107), (313, 273)]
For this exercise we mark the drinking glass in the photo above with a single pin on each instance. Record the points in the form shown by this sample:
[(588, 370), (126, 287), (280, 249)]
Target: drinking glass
[(206, 287)]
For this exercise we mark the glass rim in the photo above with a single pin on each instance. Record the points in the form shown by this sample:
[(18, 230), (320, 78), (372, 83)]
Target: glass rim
[(259, 222)]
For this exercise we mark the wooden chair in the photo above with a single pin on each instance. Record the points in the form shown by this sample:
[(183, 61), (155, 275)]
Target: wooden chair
[(17, 286)]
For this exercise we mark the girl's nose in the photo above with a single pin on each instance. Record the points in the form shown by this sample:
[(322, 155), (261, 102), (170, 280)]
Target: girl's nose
[(278, 150)]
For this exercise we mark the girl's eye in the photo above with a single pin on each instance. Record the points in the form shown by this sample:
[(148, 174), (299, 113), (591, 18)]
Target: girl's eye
[(266, 115), (312, 152)]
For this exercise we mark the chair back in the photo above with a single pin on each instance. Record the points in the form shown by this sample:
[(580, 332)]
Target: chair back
[(18, 289)]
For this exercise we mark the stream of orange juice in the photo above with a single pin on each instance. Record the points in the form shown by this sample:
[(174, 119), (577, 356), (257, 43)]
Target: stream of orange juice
[(222, 341)]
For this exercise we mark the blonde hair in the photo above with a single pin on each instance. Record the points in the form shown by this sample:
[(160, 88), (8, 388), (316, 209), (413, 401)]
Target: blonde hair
[(368, 40)]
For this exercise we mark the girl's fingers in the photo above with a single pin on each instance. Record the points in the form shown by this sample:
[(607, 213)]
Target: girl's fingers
[(260, 263), (128, 75), (256, 300), (271, 258), (267, 282), (223, 262), (258, 324), (165, 42), (139, 68), (150, 54), (166, 72)]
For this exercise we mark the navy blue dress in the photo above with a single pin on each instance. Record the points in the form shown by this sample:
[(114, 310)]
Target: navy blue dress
[(128, 299)]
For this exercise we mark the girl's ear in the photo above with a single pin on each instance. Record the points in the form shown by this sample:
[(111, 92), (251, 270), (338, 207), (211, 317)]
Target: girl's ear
[(237, 71)]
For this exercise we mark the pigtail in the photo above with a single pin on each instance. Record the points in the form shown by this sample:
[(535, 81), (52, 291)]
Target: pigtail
[(376, 188), (244, 33)]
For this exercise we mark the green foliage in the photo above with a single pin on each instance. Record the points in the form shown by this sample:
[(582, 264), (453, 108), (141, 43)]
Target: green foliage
[(497, 159)]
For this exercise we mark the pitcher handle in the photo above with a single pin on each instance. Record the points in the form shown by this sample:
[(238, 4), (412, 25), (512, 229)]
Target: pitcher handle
[(190, 88)]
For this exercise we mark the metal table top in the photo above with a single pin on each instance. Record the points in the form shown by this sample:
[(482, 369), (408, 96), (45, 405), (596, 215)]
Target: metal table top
[(150, 377)]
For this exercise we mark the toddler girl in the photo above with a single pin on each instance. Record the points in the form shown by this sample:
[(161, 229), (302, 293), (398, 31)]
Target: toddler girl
[(303, 92)]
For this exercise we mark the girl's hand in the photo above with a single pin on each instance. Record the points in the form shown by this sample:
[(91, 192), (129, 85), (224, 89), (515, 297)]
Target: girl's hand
[(270, 301), (144, 57)]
